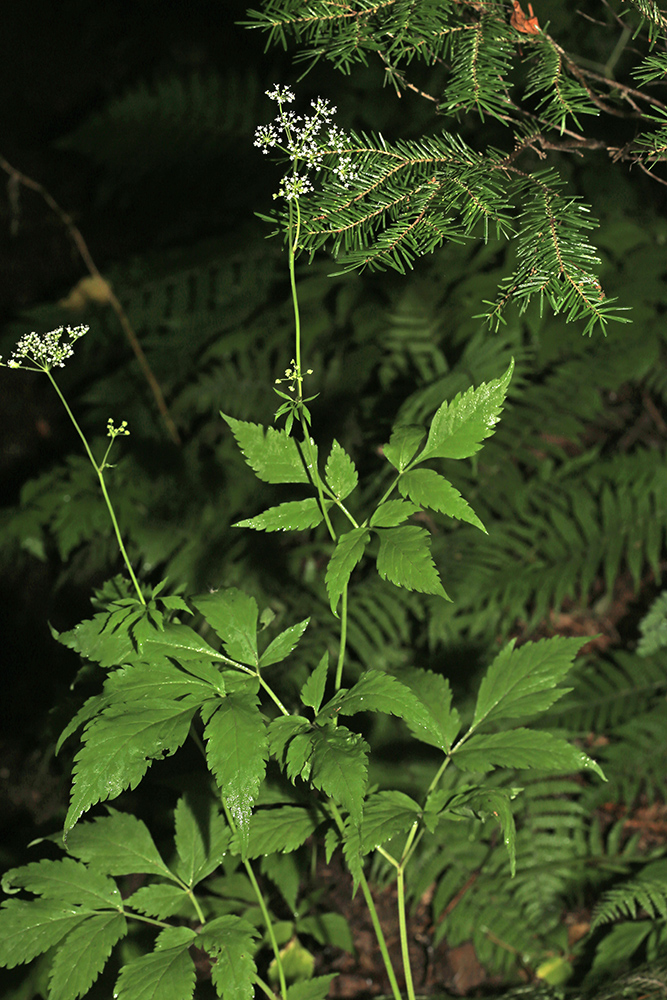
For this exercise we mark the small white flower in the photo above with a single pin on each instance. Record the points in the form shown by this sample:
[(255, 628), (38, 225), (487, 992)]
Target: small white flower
[(42, 352), (283, 95), (306, 141)]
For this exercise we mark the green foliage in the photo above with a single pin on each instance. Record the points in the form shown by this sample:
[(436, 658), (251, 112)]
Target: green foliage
[(441, 488)]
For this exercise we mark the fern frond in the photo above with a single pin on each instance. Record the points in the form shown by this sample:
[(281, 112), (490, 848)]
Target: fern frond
[(609, 691), (628, 899), (653, 627), (171, 121)]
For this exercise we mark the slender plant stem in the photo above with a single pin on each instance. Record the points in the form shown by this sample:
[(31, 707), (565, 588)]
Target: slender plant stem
[(379, 934), (375, 920), (343, 639), (269, 927), (403, 932), (195, 903), (100, 476), (265, 988), (263, 907)]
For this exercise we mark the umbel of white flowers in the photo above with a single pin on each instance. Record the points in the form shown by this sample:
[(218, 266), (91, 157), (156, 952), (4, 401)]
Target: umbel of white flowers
[(40, 352), (305, 141)]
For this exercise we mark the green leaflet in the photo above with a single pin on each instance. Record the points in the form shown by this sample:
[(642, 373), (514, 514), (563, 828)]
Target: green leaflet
[(231, 941), (282, 730), (348, 552), (523, 748), (428, 489), (311, 989), (435, 694), (385, 815), (376, 691), (284, 871), (29, 928), (403, 444), (100, 639), (340, 472), (281, 829), (459, 427), (161, 900), (523, 682), (485, 803), (272, 454), (391, 513), (119, 747), (83, 954), (339, 767), (167, 974), (236, 752), (295, 515), (405, 560), (202, 837), (283, 644), (179, 641), (66, 880), (312, 691), (119, 844), (233, 616)]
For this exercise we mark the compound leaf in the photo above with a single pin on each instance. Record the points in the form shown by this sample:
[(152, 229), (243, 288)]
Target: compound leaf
[(179, 641), (386, 814), (281, 829), (377, 691), (160, 900), (202, 837), (311, 989), (403, 444), (312, 691), (391, 513), (435, 694)]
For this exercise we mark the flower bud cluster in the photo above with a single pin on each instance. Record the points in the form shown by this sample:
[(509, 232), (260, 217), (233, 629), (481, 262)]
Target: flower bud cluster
[(306, 141), (42, 352)]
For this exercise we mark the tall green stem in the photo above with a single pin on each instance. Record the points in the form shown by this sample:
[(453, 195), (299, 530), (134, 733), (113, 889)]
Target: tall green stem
[(100, 476), (403, 932), (263, 907)]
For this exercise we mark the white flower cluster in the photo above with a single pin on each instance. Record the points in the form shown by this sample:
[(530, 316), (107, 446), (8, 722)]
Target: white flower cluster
[(41, 352), (306, 141)]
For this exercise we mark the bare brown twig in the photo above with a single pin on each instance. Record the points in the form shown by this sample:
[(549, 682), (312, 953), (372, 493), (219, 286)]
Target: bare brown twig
[(16, 177)]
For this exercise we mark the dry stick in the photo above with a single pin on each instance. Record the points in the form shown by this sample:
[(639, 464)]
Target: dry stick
[(16, 177)]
